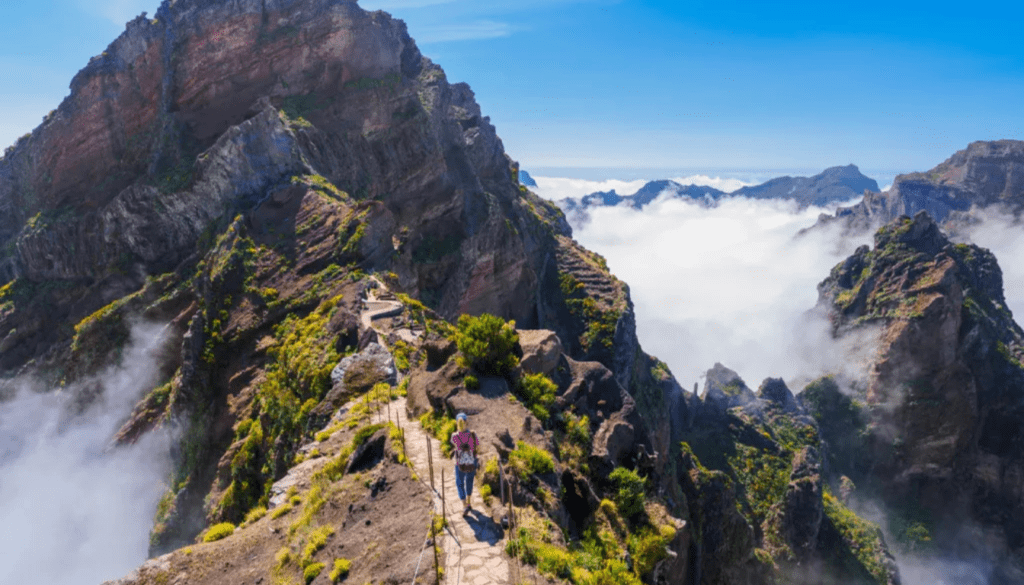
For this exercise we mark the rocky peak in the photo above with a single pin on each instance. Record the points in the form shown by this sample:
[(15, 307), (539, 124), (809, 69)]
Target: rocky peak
[(947, 379), (724, 389), (832, 185), (983, 174)]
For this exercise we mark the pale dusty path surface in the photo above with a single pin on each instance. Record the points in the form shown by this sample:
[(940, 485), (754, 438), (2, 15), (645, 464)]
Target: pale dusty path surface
[(473, 544)]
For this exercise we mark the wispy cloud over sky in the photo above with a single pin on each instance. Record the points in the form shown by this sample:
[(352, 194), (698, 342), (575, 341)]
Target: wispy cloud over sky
[(477, 30)]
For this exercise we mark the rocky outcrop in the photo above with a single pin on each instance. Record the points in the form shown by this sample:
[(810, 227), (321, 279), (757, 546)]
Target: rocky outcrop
[(541, 350), (982, 175), (173, 130), (946, 393), (724, 389)]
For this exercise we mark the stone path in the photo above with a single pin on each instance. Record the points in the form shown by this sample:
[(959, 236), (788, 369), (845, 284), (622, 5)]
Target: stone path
[(379, 304), (474, 544)]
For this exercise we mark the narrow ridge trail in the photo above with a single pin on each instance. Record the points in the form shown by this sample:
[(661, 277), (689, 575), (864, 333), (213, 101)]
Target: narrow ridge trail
[(473, 544)]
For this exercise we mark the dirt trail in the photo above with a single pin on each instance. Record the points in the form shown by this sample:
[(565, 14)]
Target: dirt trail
[(474, 545)]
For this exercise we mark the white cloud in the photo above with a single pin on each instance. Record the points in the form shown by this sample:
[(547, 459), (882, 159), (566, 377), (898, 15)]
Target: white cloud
[(400, 4), (74, 511), (555, 188), (727, 284), (728, 185), (482, 29), (1004, 237)]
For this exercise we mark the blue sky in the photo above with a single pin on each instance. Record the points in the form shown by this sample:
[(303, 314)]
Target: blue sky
[(628, 89)]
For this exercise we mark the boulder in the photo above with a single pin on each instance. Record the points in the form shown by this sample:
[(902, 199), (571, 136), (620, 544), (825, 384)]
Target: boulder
[(369, 453), (355, 374), (541, 350)]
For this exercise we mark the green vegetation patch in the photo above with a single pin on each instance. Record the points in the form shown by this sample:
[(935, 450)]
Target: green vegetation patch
[(629, 492), (219, 531), (600, 323), (537, 392), (340, 570), (863, 539), (526, 461), (297, 378), (441, 426), (487, 344)]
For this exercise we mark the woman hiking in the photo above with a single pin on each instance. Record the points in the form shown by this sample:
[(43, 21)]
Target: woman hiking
[(466, 444)]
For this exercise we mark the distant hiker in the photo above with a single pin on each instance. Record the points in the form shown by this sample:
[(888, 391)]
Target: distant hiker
[(466, 444)]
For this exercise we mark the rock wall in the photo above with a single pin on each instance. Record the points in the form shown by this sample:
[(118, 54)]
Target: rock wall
[(945, 397)]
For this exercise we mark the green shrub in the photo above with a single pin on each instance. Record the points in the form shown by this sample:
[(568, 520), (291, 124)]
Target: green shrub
[(471, 382), (316, 541), (255, 514), (487, 344), (538, 393), (219, 531), (614, 572), (526, 460), (340, 570), (312, 571), (401, 351), (646, 547), (629, 494), (577, 428), (441, 426)]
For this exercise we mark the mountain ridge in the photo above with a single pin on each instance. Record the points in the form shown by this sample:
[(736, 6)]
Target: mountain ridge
[(984, 174), (834, 184)]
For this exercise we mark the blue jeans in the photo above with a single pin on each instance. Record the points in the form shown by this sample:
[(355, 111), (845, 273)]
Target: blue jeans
[(464, 483)]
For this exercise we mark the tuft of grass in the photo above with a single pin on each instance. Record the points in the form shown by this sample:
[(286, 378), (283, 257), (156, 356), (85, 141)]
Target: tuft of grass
[(316, 541), (526, 460), (219, 531), (255, 514), (312, 572), (281, 511), (340, 570)]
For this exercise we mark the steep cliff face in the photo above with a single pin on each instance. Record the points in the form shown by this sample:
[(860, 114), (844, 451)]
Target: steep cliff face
[(938, 432), (981, 175), (200, 113), (240, 170), (765, 506)]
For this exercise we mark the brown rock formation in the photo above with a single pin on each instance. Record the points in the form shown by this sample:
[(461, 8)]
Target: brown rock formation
[(945, 398)]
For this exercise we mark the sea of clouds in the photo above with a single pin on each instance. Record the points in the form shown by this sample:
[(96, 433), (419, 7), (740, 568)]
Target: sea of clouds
[(730, 284), (75, 510), (735, 284)]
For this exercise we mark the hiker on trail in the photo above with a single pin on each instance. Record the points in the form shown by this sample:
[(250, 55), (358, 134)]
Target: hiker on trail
[(466, 444)]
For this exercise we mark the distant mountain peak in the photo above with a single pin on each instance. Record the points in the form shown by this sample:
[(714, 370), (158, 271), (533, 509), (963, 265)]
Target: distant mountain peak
[(839, 183), (983, 174)]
